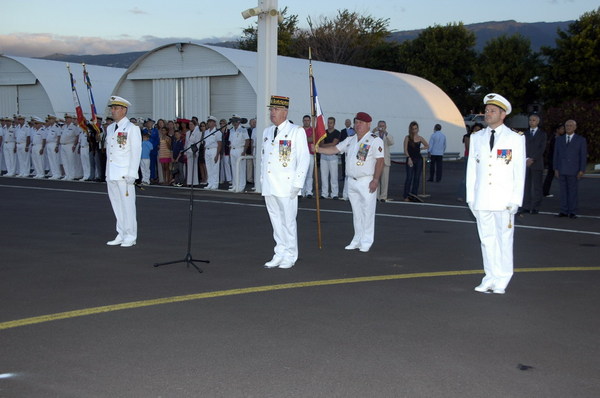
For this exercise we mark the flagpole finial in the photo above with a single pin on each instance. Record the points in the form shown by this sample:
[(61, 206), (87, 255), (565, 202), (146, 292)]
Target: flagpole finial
[(309, 54)]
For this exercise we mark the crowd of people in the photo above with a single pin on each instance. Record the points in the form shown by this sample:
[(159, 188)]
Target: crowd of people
[(503, 175), (59, 148)]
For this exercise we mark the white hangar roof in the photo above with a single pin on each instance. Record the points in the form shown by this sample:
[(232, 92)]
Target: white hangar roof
[(222, 81), (39, 87)]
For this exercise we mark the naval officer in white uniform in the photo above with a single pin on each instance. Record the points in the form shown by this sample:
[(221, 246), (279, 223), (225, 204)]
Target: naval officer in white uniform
[(495, 185), (123, 155), (364, 165), (213, 141), (285, 160)]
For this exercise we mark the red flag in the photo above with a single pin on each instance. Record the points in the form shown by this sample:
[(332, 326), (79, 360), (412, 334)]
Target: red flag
[(88, 83), (78, 110), (320, 132)]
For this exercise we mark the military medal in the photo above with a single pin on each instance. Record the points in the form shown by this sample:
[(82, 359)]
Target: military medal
[(122, 139), (361, 155), (285, 152), (505, 154)]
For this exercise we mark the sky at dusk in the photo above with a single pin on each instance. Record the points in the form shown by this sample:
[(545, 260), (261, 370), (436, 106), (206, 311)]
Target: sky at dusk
[(35, 28)]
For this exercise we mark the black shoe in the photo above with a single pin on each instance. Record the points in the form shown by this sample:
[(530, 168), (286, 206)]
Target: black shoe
[(309, 196), (429, 180), (535, 211), (561, 215), (572, 215), (335, 198)]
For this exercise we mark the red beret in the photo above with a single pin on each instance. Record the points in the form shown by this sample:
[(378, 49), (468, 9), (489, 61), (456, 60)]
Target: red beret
[(364, 117)]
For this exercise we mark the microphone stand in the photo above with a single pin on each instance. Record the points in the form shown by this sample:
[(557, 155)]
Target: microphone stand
[(188, 259)]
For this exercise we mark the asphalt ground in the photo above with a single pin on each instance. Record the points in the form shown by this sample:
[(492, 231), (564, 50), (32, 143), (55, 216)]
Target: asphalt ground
[(81, 319)]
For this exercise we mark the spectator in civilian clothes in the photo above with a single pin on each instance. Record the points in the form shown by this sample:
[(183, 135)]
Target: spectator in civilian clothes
[(437, 147), (329, 163)]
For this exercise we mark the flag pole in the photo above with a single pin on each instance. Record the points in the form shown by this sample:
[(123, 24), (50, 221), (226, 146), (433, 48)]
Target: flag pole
[(315, 144)]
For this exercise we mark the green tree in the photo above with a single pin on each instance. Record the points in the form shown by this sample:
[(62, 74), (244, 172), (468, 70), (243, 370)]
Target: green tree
[(286, 35), (508, 66), (573, 68), (445, 56), (349, 38)]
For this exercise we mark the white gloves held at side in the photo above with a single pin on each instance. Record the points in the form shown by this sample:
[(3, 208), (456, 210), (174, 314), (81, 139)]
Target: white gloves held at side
[(294, 192)]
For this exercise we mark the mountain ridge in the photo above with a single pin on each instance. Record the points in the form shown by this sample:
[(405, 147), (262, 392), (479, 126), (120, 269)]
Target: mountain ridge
[(540, 34)]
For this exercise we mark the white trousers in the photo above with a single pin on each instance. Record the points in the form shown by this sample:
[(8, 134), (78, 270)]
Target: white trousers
[(496, 246), (84, 155), (2, 163), (10, 158), (53, 160), (238, 171), (145, 166), (225, 168), (192, 161), (329, 169), (67, 155), (363, 205), (282, 212), (37, 161), (24, 159), (308, 183), (122, 200), (212, 168)]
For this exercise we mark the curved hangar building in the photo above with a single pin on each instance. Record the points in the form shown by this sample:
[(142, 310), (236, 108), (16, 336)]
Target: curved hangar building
[(40, 87), (186, 79)]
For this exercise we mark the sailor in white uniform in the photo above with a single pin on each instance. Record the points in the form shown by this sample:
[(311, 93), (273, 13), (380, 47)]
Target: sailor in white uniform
[(239, 139), (285, 160), (123, 155), (69, 137), (364, 165), (9, 148), (52, 147), (212, 143), (23, 140), (495, 185), (38, 146)]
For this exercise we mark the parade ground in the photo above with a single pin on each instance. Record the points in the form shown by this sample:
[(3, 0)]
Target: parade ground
[(79, 318)]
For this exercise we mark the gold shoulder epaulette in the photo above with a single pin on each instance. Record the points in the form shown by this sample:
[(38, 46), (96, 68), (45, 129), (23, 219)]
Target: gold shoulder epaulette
[(373, 135), (517, 131)]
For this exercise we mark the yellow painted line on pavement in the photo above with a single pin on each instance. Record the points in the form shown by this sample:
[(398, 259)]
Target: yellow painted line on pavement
[(258, 289)]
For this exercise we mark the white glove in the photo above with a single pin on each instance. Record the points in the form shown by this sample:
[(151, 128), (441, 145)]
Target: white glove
[(294, 192), (512, 208), (130, 180)]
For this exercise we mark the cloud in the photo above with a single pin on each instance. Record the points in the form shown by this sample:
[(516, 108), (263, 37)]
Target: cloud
[(43, 44), (137, 11)]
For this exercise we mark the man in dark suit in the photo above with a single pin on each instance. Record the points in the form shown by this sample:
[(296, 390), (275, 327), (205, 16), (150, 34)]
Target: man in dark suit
[(570, 157), (535, 143)]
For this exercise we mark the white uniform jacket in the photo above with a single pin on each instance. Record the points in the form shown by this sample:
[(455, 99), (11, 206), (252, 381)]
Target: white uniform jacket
[(285, 159), (361, 156), (123, 150), (496, 178)]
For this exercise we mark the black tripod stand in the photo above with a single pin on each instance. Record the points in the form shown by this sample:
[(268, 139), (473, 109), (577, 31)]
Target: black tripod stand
[(188, 257)]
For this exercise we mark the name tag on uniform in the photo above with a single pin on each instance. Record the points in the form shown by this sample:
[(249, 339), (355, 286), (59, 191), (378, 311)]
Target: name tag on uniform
[(505, 154)]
